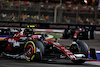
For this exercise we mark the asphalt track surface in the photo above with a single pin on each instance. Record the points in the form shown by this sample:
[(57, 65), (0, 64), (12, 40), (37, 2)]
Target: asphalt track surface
[(8, 62)]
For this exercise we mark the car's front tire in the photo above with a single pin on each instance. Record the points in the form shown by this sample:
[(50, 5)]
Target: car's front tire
[(30, 50), (31, 53)]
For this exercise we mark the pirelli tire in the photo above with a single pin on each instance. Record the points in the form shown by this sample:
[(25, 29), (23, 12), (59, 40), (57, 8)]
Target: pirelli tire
[(81, 48), (33, 50)]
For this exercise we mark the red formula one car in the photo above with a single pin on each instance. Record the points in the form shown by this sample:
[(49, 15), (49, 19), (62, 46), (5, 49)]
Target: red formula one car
[(79, 33), (34, 48)]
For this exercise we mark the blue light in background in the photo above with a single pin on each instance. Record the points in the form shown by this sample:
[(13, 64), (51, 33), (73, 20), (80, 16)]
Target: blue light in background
[(99, 5)]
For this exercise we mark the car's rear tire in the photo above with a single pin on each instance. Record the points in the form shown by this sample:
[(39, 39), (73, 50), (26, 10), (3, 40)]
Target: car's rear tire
[(81, 47)]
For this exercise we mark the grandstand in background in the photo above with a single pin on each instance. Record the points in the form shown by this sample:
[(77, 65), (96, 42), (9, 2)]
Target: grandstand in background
[(83, 12)]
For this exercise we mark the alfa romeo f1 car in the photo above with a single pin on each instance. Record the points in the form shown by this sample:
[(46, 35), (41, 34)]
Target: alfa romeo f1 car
[(34, 48), (79, 33)]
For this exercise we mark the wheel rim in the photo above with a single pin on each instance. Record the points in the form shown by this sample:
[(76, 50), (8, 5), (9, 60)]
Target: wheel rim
[(29, 50)]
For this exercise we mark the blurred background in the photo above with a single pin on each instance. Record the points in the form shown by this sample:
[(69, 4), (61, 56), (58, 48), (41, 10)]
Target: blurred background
[(85, 12)]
